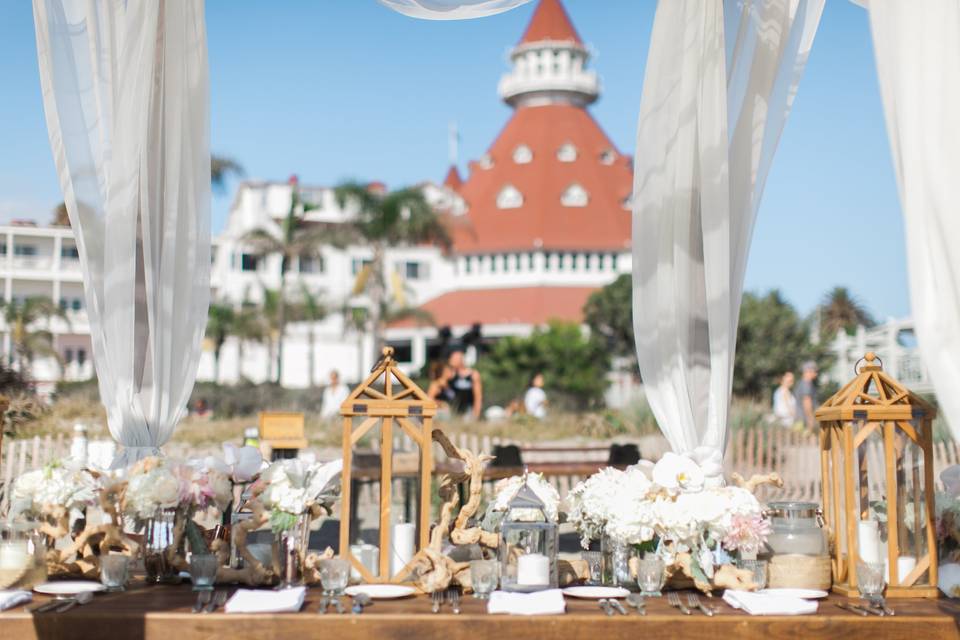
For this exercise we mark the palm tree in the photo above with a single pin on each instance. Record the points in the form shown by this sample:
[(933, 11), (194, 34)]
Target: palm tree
[(220, 168), (310, 310), (28, 342), (383, 220), (60, 216), (296, 238), (842, 311), (220, 321)]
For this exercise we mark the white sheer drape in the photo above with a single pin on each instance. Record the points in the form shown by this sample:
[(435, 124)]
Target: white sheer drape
[(451, 9), (126, 97), (719, 84), (917, 47)]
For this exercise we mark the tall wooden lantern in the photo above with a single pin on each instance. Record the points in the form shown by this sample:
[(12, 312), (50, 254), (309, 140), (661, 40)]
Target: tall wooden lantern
[(376, 416), (876, 457)]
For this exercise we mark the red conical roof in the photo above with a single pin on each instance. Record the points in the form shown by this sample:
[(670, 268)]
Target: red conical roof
[(550, 22), (453, 179)]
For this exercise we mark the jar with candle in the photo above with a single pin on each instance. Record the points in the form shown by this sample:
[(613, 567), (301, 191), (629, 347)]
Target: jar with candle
[(22, 556), (799, 552), (528, 544)]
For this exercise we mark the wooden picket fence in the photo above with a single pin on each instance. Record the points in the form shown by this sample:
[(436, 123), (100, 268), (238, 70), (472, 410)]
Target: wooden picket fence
[(795, 456)]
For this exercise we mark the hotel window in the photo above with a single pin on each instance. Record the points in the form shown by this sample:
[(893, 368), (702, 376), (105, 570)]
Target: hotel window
[(3, 249), (613, 261), (574, 261), (608, 156), (547, 260), (561, 261), (76, 304), (72, 253), (522, 154), (63, 304), (413, 270), (402, 350), (600, 262), (311, 263), (81, 356), (67, 356), (574, 196), (493, 264), (530, 261), (26, 250), (359, 263), (468, 264), (509, 198), (587, 262), (567, 153), (248, 262)]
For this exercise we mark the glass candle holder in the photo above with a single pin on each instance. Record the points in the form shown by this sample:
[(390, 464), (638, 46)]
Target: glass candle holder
[(651, 574), (334, 576), (758, 569), (594, 560), (870, 580), (484, 575), (203, 571), (114, 570)]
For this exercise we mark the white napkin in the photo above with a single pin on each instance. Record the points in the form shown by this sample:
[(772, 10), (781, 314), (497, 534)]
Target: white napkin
[(13, 598), (538, 603), (768, 604), (258, 601)]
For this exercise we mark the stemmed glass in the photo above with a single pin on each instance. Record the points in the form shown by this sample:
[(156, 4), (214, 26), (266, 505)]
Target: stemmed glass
[(651, 574), (483, 577)]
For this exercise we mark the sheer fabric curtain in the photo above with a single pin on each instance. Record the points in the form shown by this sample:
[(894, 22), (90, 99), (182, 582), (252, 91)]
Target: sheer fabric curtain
[(720, 81), (125, 92), (451, 9), (917, 48)]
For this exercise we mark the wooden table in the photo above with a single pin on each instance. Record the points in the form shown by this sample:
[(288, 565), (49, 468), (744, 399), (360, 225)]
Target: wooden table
[(163, 612)]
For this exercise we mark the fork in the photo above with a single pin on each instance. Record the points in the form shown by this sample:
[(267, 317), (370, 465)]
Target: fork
[(203, 599), (694, 601), (674, 600), (437, 598), (219, 599), (453, 595)]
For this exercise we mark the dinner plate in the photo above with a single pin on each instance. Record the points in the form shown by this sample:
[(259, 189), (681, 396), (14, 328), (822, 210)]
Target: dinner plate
[(382, 591), (596, 593), (806, 594), (68, 587)]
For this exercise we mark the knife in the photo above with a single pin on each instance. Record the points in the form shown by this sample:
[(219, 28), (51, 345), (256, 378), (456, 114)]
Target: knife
[(616, 605), (853, 609)]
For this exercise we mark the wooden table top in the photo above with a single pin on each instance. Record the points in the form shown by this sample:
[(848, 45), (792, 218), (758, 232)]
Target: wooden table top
[(163, 612)]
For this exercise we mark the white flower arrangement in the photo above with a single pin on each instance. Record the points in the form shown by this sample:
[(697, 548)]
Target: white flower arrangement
[(674, 502), (54, 485), (290, 488), (160, 483), (507, 488)]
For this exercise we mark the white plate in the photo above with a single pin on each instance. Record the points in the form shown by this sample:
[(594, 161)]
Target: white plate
[(382, 591), (596, 593), (68, 587), (806, 594)]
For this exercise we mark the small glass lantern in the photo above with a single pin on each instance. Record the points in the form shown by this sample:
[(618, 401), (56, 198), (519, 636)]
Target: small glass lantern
[(876, 458), (528, 544)]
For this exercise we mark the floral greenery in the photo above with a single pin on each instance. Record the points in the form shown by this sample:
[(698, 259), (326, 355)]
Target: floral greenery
[(574, 367)]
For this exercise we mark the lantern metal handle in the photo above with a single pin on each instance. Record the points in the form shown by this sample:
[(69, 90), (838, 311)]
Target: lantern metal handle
[(870, 357)]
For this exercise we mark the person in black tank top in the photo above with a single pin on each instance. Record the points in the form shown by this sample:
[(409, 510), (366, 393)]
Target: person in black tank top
[(465, 388)]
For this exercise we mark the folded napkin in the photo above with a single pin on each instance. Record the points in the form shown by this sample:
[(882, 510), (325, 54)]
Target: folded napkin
[(256, 601), (13, 598), (768, 604), (538, 603)]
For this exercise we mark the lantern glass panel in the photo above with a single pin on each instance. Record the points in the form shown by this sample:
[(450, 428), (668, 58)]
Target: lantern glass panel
[(911, 509), (528, 545), (365, 494), (405, 497)]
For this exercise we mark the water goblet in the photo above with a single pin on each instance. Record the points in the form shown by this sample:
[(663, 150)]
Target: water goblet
[(334, 576), (758, 569), (870, 579), (113, 571), (484, 577), (651, 574), (203, 570), (594, 560)]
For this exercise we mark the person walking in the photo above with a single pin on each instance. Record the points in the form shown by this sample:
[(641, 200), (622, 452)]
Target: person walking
[(535, 399), (333, 396), (807, 394), (785, 410)]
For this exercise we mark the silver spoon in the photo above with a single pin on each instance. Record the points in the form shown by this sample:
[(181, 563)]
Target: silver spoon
[(82, 598)]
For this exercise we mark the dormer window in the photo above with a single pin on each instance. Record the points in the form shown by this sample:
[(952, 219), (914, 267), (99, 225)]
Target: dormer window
[(574, 196), (486, 162), (627, 203), (522, 154), (509, 198), (567, 153), (607, 157)]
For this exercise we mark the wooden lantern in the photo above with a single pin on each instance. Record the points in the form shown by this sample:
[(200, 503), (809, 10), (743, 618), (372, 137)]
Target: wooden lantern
[(876, 458), (387, 400)]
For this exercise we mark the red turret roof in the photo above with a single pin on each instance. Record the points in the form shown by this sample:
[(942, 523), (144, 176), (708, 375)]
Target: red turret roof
[(542, 222), (453, 179), (550, 22)]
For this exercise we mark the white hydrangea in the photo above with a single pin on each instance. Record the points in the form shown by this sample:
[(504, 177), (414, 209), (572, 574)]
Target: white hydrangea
[(293, 486), (55, 485)]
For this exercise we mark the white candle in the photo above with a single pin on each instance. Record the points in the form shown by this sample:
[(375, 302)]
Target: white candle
[(369, 557), (403, 546), (905, 564), (533, 569), (868, 541), (14, 555)]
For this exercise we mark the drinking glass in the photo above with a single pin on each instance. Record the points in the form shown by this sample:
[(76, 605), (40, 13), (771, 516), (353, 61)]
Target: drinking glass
[(483, 577), (759, 570), (651, 575), (203, 571), (113, 571), (334, 575), (870, 580), (594, 560)]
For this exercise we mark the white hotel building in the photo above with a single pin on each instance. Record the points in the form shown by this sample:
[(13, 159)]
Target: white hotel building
[(540, 221)]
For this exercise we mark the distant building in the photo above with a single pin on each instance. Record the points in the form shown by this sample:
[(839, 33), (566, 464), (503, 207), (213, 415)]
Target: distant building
[(894, 342)]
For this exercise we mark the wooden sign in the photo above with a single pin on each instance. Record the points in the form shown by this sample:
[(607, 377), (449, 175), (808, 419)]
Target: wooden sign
[(282, 429)]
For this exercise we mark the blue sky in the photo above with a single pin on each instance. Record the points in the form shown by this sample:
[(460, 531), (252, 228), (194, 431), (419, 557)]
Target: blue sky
[(335, 89)]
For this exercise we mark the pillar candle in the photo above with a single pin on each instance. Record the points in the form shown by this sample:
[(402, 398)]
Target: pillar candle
[(369, 557), (868, 541), (404, 534), (905, 564), (14, 555), (533, 569)]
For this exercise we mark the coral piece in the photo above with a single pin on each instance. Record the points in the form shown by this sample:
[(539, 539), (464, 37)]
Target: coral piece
[(756, 480), (725, 576)]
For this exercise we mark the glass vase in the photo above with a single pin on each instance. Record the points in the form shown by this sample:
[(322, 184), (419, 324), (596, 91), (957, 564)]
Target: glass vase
[(290, 546), (616, 562), (158, 537)]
